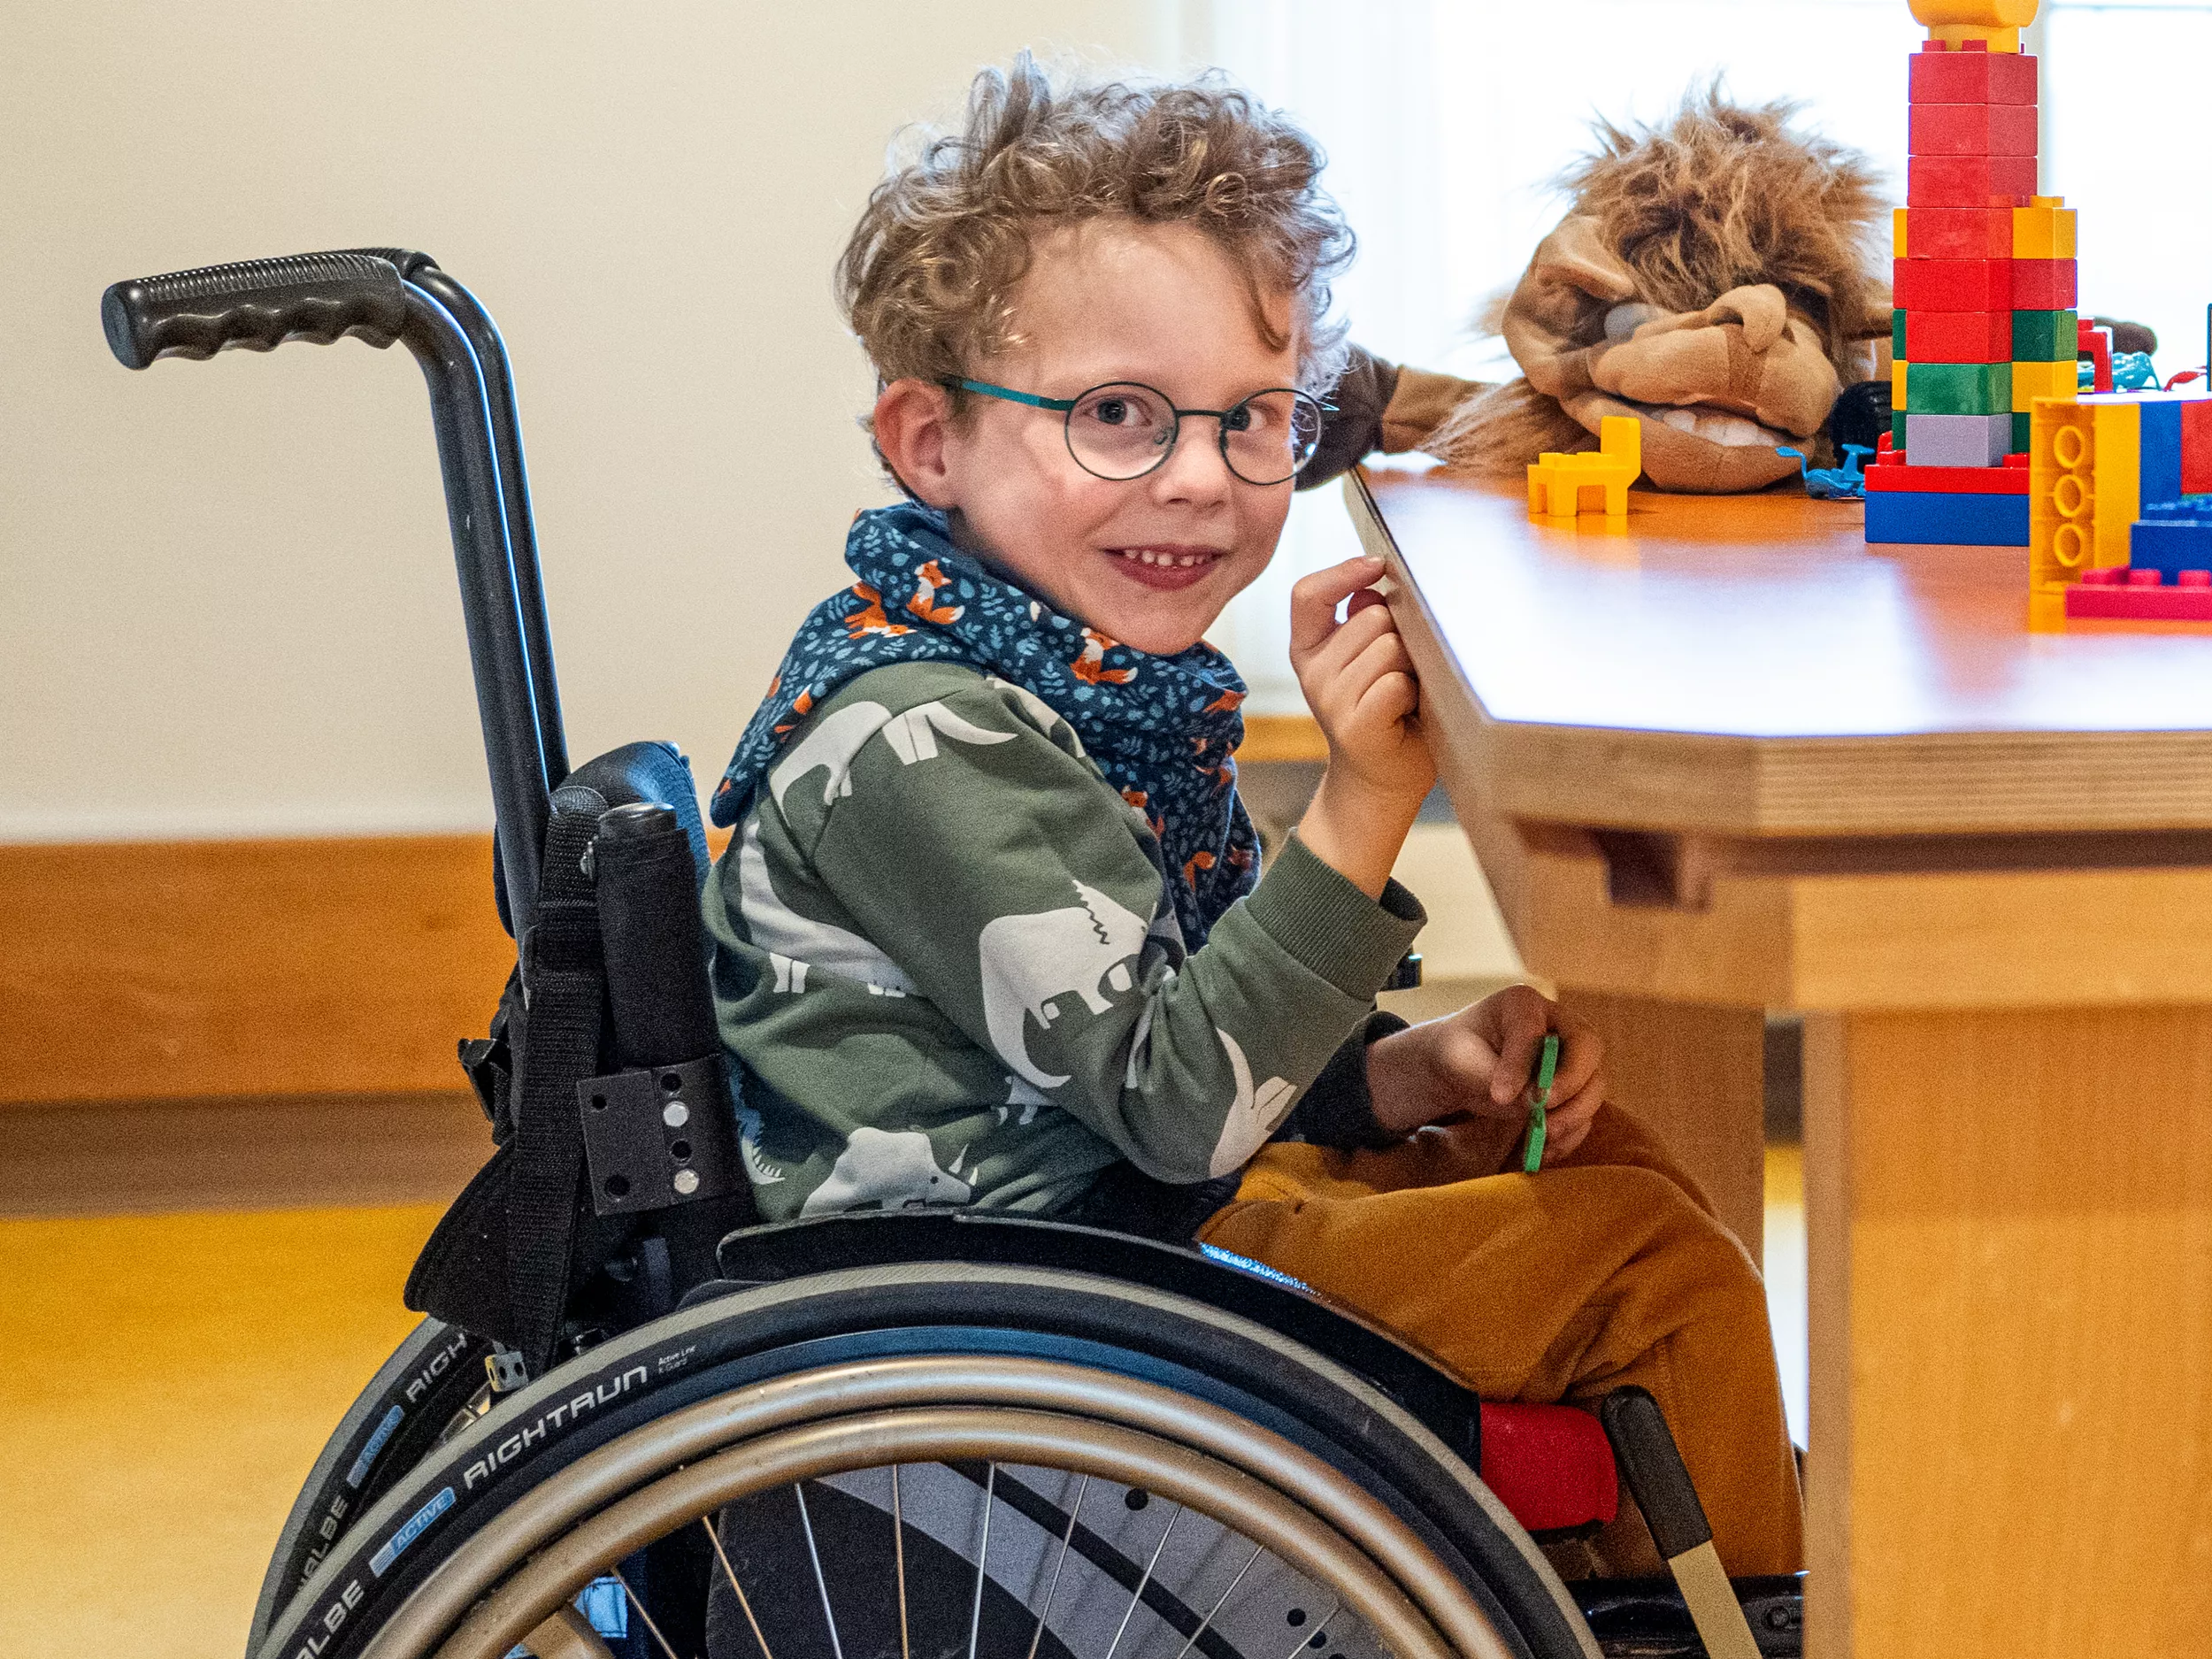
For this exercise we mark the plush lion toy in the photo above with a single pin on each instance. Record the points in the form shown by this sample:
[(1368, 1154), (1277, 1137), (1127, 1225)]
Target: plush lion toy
[(1714, 276)]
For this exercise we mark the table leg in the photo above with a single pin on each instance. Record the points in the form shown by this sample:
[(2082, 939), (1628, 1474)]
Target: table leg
[(2010, 1233), (1696, 1073)]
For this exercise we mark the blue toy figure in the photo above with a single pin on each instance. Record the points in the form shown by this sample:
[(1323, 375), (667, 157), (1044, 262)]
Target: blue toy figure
[(1846, 483), (2131, 371)]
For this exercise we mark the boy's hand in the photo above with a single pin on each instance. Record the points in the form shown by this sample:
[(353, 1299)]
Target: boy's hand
[(1483, 1060), (1359, 682)]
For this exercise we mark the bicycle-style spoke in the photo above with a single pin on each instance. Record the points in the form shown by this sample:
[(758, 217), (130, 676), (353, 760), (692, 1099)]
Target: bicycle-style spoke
[(982, 1554), (1060, 1560), (1136, 1594), (1220, 1602), (744, 1604), (642, 1613), (815, 1556), (1307, 1639), (898, 1554)]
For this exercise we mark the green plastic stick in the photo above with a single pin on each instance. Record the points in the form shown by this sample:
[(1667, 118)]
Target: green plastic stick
[(1545, 1070)]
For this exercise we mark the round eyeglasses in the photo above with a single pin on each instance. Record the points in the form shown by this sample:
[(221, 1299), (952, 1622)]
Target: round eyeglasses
[(1125, 428)]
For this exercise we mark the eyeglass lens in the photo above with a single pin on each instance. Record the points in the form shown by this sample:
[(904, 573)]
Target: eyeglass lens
[(1124, 431)]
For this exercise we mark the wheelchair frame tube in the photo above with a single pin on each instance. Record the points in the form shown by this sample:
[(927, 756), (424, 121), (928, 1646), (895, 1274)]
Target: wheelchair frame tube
[(491, 600), (514, 490), (514, 487)]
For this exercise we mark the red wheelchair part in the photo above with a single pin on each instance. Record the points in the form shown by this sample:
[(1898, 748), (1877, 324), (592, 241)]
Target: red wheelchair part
[(1550, 1465)]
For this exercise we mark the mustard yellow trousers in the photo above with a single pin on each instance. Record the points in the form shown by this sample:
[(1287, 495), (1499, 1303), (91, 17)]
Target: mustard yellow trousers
[(1603, 1270)]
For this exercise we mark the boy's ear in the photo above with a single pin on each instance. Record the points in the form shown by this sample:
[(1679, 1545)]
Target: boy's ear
[(913, 420)]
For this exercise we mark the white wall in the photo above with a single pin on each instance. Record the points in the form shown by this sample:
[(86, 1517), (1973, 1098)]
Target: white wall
[(227, 604)]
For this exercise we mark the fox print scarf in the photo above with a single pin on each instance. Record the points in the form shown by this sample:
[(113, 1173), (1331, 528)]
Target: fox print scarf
[(1163, 730)]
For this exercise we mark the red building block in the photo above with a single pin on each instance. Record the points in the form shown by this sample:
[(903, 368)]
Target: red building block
[(1969, 181), (1971, 129), (1958, 233), (2096, 344), (2040, 285), (1960, 285), (1948, 481), (2117, 591), (1969, 77), (1958, 336), (2196, 447)]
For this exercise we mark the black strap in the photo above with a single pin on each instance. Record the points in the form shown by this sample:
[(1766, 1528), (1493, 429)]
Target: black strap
[(565, 977), (498, 1263)]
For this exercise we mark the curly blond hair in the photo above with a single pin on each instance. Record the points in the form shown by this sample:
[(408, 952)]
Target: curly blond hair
[(929, 278)]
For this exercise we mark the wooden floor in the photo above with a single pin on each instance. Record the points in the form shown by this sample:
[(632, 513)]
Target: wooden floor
[(165, 1380), (164, 1383)]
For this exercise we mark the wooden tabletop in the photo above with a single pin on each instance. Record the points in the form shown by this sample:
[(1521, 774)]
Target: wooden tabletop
[(1749, 666)]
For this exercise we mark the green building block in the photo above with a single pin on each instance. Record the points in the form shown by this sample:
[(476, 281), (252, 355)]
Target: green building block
[(1897, 336), (1959, 388), (2043, 336), (1897, 429), (2021, 426)]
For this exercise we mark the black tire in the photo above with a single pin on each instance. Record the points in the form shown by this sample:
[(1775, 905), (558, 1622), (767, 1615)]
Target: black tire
[(800, 1327), (388, 1429)]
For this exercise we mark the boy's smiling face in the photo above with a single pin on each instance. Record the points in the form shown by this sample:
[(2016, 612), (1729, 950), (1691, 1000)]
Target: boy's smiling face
[(1148, 561)]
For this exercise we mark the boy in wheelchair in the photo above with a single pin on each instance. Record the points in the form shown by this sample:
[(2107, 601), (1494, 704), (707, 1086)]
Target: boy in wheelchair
[(992, 929)]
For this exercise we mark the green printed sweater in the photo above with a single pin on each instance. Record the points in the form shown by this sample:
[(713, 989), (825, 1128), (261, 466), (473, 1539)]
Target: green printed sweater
[(944, 950)]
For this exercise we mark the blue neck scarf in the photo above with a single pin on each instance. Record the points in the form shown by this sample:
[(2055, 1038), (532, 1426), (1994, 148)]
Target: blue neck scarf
[(1163, 730)]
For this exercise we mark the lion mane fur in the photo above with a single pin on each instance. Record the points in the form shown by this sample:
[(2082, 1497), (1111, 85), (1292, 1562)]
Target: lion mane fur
[(1714, 196)]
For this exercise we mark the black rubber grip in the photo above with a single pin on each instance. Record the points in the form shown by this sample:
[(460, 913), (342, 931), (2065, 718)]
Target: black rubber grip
[(258, 304), (1652, 1464)]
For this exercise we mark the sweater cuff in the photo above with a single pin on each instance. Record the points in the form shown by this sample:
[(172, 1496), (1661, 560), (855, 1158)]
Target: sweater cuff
[(1313, 912), (1337, 1110)]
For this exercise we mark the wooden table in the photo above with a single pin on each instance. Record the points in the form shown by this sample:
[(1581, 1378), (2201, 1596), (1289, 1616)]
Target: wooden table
[(1728, 758)]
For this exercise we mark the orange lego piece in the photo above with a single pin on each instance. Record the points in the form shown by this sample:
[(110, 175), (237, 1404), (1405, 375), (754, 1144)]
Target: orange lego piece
[(1555, 482), (1995, 24)]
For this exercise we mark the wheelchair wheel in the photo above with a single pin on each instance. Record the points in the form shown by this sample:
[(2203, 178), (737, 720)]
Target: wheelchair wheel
[(415, 1400), (940, 1457)]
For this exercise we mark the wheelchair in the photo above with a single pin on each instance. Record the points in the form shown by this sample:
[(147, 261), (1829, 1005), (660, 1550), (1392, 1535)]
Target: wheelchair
[(636, 1422)]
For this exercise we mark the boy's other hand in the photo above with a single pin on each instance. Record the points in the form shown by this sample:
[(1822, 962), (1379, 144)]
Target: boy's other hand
[(1360, 684), (1483, 1060)]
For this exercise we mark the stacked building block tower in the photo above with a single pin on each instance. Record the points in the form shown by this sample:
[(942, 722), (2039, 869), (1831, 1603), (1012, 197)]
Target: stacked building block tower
[(1985, 288)]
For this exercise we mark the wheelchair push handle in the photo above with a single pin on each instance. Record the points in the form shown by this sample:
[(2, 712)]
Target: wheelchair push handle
[(383, 296), (257, 304)]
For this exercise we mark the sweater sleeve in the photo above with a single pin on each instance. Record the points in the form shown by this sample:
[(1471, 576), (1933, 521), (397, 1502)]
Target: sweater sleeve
[(973, 843), (1337, 1110)]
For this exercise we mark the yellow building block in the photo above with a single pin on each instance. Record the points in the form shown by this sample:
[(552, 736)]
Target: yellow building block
[(2061, 493), (1555, 482), (2085, 463), (1897, 232), (1897, 383), (2043, 230), (1955, 22), (2119, 480), (2031, 380)]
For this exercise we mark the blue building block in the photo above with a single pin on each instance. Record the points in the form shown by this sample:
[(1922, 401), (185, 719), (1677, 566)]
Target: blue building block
[(2160, 450), (1946, 519), (2171, 546)]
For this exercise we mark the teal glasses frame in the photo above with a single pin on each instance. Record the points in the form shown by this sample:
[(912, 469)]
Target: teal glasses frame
[(1066, 407)]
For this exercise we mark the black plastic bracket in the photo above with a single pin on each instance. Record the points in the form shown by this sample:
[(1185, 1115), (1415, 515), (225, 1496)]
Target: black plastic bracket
[(656, 1138)]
